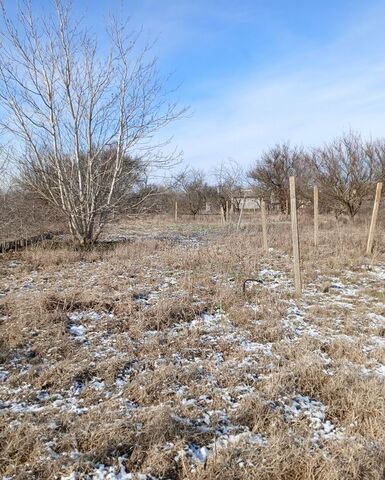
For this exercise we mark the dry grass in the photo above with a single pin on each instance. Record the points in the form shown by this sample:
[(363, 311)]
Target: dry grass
[(149, 356)]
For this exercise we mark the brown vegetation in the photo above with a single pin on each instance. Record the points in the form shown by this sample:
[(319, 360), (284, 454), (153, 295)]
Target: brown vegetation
[(149, 358)]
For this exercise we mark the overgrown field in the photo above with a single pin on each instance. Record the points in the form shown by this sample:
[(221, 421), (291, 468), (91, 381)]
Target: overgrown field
[(146, 360)]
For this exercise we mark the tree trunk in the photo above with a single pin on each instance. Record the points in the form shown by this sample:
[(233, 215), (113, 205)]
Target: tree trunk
[(83, 237)]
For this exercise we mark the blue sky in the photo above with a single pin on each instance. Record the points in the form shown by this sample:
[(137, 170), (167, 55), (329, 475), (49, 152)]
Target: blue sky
[(258, 72)]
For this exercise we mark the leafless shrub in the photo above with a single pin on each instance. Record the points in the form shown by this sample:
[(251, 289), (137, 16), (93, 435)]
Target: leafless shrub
[(194, 191), (78, 116), (345, 171), (375, 151), (23, 214), (230, 183), (271, 174)]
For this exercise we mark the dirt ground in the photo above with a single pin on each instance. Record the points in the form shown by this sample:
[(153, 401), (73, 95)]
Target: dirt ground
[(145, 359)]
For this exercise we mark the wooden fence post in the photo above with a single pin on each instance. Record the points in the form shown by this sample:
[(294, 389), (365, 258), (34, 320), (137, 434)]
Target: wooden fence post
[(315, 216), (227, 211), (222, 215), (241, 213), (372, 229), (176, 211), (295, 237), (264, 225)]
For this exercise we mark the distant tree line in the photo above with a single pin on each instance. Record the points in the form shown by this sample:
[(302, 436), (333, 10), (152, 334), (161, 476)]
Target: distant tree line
[(79, 125), (345, 170)]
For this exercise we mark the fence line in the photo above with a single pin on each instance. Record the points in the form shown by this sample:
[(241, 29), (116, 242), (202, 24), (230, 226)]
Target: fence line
[(14, 245)]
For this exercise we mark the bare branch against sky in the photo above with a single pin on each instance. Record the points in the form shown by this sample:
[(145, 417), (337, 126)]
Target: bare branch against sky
[(82, 121)]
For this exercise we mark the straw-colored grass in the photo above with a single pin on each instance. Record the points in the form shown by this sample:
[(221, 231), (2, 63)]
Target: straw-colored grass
[(149, 358)]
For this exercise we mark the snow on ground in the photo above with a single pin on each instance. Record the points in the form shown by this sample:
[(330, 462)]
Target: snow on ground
[(314, 411), (118, 472), (218, 345)]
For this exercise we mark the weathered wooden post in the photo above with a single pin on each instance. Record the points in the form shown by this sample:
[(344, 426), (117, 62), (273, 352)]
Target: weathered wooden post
[(295, 237), (264, 225), (372, 229), (315, 216), (176, 211), (241, 213), (222, 215), (227, 211)]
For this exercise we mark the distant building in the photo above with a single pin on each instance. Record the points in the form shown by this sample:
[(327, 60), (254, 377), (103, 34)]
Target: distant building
[(252, 202)]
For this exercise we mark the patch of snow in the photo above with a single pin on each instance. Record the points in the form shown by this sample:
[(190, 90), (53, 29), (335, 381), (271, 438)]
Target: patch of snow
[(197, 454), (21, 407), (376, 318), (273, 278), (77, 388), (91, 315), (111, 473), (378, 272), (269, 272), (42, 395), (345, 289), (77, 330), (380, 370), (295, 321), (69, 405), (97, 385), (103, 472), (248, 437), (315, 412), (257, 347)]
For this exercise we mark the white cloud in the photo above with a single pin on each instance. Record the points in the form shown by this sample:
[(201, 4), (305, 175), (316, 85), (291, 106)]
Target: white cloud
[(307, 100)]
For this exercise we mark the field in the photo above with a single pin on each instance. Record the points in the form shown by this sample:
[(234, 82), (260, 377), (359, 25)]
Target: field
[(145, 359)]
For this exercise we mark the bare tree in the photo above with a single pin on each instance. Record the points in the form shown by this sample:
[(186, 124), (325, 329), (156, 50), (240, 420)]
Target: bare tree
[(375, 151), (152, 199), (194, 191), (230, 182), (271, 174), (5, 168), (77, 114), (345, 171)]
